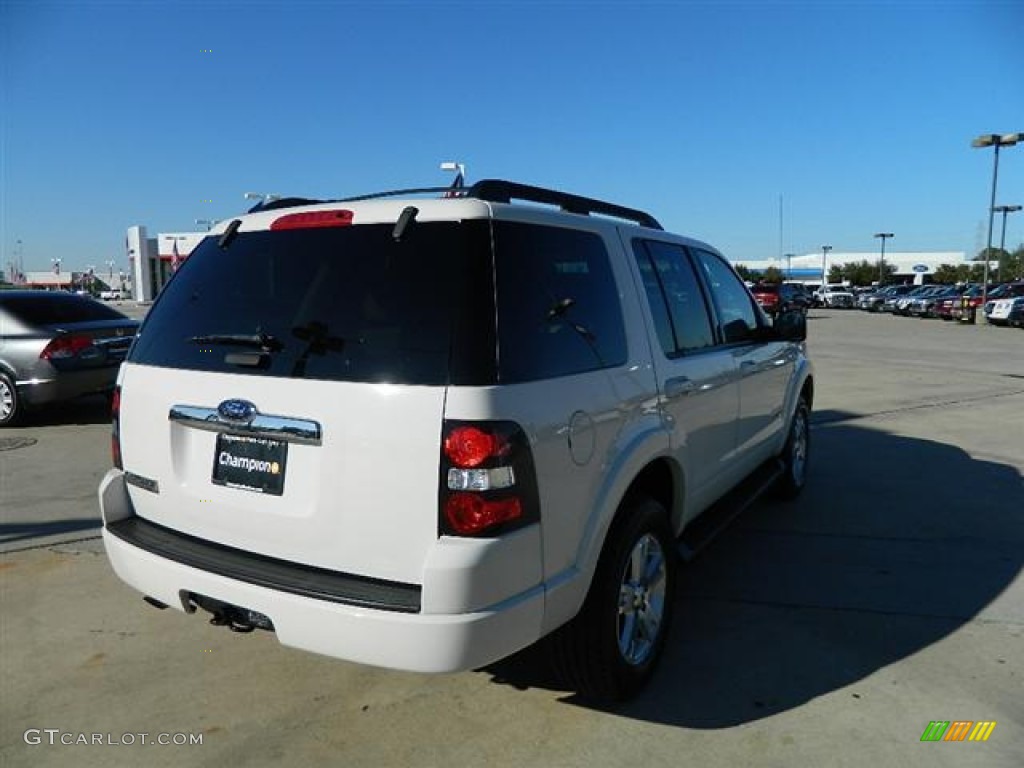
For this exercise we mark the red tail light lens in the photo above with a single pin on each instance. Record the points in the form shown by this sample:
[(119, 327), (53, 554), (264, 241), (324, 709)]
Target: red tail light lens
[(313, 220), (471, 513), (115, 429), (469, 446), (64, 347)]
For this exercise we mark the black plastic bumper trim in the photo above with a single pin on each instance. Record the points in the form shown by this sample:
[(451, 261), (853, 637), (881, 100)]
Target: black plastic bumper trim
[(305, 580)]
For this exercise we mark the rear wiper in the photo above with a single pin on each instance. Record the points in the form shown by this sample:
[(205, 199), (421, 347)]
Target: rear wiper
[(262, 341)]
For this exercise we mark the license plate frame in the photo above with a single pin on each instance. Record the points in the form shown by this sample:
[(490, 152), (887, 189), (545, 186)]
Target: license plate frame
[(249, 463)]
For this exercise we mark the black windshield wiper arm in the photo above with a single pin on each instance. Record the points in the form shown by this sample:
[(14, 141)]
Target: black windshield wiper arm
[(262, 341)]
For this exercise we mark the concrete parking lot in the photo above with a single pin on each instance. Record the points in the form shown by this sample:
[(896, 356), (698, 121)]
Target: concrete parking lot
[(828, 631)]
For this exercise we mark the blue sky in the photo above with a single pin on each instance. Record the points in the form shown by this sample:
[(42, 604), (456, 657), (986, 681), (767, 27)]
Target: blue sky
[(859, 115)]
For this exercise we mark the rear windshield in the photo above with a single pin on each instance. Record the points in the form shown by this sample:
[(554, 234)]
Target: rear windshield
[(342, 304), (352, 304), (55, 308)]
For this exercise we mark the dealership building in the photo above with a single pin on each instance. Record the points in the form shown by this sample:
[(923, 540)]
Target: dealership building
[(152, 260), (909, 266)]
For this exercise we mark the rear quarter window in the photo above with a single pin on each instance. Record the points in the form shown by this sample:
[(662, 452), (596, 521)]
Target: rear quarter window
[(557, 301)]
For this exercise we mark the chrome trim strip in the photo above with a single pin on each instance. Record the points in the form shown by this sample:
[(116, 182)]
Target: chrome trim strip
[(283, 428)]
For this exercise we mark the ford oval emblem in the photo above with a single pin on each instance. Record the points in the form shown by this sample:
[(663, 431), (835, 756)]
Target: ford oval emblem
[(236, 410)]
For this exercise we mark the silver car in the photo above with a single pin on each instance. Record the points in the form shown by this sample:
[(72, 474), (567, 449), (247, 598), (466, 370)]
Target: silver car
[(56, 346)]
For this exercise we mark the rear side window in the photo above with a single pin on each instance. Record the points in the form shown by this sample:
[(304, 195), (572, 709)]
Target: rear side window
[(340, 303), (56, 308), (673, 292), (558, 305)]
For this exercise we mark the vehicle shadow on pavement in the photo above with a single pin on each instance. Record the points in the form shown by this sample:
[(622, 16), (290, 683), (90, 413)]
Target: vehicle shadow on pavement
[(92, 409), (895, 544), (11, 533)]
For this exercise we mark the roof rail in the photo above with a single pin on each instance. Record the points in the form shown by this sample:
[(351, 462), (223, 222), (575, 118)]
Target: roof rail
[(283, 202), (399, 193), (494, 191), (498, 191)]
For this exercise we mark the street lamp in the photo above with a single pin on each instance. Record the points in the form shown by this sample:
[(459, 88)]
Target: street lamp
[(19, 262), (881, 260), (208, 223), (824, 274), (56, 266), (997, 141), (1004, 209), (789, 265), (110, 268)]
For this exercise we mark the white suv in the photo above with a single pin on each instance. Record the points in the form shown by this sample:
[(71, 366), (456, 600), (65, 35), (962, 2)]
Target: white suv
[(426, 432)]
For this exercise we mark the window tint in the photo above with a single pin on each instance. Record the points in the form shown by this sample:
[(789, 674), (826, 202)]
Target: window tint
[(558, 306), (44, 308), (673, 291), (736, 314), (345, 304)]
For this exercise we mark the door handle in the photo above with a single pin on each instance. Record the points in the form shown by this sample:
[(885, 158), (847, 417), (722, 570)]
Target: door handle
[(678, 386)]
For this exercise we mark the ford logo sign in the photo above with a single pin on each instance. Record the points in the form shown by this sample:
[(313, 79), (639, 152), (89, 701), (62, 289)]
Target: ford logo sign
[(236, 410), (920, 268)]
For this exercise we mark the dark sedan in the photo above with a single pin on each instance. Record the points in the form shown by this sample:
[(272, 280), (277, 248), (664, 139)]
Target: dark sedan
[(56, 346)]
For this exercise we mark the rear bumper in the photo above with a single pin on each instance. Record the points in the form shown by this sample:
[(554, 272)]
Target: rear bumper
[(395, 638)]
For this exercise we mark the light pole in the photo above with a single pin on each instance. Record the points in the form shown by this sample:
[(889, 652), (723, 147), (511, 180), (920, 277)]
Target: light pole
[(789, 265), (1004, 209), (997, 141), (19, 263), (110, 268), (208, 223), (824, 273), (56, 266), (881, 260)]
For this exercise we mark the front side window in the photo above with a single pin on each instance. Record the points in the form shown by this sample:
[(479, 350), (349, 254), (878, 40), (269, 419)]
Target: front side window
[(737, 316)]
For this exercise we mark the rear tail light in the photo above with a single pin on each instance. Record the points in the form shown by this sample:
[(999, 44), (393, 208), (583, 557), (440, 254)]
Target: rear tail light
[(64, 347), (115, 429), (487, 481)]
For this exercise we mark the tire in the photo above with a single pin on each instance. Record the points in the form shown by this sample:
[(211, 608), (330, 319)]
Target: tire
[(10, 404), (796, 454), (611, 648)]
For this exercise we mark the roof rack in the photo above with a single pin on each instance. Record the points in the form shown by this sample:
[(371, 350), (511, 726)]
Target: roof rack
[(498, 191), (495, 191), (400, 192), (283, 202)]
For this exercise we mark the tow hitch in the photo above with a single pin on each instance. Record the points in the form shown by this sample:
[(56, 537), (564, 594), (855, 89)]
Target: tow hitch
[(233, 617)]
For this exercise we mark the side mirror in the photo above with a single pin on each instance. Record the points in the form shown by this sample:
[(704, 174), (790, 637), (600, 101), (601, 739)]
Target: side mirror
[(791, 326)]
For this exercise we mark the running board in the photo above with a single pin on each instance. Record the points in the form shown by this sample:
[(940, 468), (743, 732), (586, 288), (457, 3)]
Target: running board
[(718, 516)]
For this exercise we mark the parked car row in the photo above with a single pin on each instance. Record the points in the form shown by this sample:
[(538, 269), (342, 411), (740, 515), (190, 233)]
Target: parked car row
[(1003, 304)]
